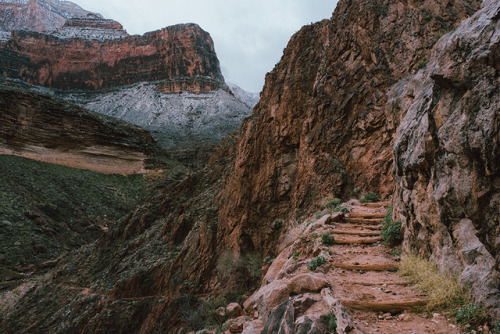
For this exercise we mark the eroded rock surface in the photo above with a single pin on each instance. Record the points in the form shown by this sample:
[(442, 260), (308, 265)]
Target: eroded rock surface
[(182, 55), (36, 15), (47, 129), (447, 150)]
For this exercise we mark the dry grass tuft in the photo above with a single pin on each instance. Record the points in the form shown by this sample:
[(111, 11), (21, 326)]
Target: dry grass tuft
[(444, 292)]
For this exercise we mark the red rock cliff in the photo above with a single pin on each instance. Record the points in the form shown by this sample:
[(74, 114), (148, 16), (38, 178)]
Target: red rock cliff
[(182, 55), (320, 128)]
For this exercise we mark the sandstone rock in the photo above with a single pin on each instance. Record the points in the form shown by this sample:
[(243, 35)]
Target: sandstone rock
[(310, 282), (303, 302), (304, 325), (183, 56), (236, 327), (253, 327), (234, 309), (446, 151)]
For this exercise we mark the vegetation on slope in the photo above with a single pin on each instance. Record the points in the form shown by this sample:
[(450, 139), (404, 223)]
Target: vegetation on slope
[(48, 209)]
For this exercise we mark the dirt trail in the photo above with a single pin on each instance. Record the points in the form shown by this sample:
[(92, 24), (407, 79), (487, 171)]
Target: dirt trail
[(364, 278)]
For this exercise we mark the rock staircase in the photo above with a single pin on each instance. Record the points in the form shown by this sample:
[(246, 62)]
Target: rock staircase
[(365, 279), (358, 282)]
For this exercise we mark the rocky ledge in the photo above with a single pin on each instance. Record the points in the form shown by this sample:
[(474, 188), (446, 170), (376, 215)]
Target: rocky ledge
[(47, 129), (91, 27)]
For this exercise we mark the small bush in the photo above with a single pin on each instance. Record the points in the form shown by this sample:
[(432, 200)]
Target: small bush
[(319, 214), (391, 233), (444, 292), (342, 209), (333, 203), (327, 239), (370, 197), (472, 314), (296, 255), (496, 330), (391, 230), (315, 263), (331, 321), (423, 63)]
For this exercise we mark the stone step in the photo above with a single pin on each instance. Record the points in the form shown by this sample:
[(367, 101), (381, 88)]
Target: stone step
[(376, 283), (370, 266), (362, 226), (381, 204), (357, 240), (362, 233), (384, 306), (366, 215)]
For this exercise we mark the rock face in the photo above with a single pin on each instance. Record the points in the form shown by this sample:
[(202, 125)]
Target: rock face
[(178, 121), (320, 128), (183, 56), (37, 15), (91, 27), (47, 129), (447, 150)]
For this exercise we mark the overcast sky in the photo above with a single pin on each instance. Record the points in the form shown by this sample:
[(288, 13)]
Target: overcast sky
[(249, 35)]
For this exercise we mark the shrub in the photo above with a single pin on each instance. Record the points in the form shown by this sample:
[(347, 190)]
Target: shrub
[(471, 314), (391, 233), (319, 214), (296, 255), (315, 263), (342, 209), (423, 63), (443, 291), (333, 203), (331, 321), (370, 197), (327, 239), (391, 230)]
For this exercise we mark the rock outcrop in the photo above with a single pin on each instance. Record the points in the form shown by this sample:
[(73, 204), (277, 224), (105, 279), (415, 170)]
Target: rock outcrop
[(36, 15), (447, 150), (91, 27), (183, 56), (51, 130)]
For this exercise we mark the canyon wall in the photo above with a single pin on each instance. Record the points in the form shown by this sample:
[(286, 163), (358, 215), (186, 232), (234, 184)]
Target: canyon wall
[(183, 56), (320, 129), (447, 153)]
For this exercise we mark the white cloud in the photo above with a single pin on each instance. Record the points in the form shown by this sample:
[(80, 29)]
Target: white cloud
[(249, 35)]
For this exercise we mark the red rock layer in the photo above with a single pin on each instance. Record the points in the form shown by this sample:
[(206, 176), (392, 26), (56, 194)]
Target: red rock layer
[(183, 55), (320, 128)]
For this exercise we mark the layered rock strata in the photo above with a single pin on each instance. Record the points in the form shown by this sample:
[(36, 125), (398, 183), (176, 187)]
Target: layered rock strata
[(447, 150), (47, 129), (91, 27), (183, 56), (37, 15)]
